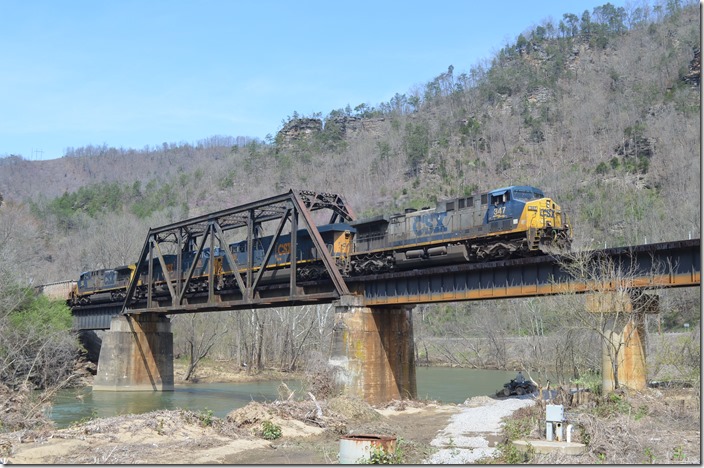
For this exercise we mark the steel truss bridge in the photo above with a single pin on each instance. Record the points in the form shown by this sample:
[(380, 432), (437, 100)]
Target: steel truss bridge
[(651, 266)]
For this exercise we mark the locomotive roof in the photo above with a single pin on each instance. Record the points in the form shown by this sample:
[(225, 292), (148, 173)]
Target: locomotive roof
[(121, 267), (515, 187), (337, 227), (372, 220)]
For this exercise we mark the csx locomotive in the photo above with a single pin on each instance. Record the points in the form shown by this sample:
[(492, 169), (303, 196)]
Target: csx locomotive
[(516, 221)]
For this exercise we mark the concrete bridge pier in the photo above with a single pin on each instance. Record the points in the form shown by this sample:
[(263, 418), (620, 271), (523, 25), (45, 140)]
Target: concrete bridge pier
[(136, 355), (624, 339), (372, 351)]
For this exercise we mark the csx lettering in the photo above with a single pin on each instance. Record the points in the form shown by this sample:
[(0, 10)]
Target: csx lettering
[(429, 224), (284, 248), (547, 213)]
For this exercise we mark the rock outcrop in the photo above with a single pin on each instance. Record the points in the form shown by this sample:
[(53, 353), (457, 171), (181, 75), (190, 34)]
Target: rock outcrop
[(348, 127)]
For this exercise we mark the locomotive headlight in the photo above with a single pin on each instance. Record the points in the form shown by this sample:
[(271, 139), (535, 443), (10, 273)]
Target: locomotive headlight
[(547, 204)]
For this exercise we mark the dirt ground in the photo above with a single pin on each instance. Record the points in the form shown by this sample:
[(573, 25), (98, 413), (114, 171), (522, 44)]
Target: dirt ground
[(185, 437), (659, 426), (225, 371), (310, 430), (414, 428)]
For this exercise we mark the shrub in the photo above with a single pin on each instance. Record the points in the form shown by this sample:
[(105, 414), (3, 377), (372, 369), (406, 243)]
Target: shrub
[(589, 380), (206, 417), (379, 456), (509, 454), (38, 345), (270, 431)]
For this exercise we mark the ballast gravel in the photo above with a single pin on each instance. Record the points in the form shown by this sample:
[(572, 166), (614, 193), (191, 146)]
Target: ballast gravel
[(473, 432)]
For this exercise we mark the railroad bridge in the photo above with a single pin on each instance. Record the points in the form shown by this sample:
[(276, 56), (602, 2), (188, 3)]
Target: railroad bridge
[(373, 335)]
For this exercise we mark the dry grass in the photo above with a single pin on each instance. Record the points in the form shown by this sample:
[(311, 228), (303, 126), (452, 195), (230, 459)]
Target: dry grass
[(652, 426), (24, 412)]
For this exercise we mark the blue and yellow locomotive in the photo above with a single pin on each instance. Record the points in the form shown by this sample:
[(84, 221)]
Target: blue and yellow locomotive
[(515, 221), (110, 285), (106, 285)]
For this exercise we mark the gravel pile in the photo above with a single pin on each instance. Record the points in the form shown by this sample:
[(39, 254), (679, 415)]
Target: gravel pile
[(473, 433)]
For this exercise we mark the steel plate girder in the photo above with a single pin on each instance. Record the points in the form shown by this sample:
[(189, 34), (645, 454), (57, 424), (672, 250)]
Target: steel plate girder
[(670, 264), (536, 276)]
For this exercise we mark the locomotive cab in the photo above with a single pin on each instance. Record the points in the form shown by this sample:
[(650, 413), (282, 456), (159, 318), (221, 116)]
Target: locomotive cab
[(504, 204), (543, 220), (525, 210), (104, 285)]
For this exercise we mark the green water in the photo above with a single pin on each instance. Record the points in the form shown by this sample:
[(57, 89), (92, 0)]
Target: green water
[(434, 383), (456, 385)]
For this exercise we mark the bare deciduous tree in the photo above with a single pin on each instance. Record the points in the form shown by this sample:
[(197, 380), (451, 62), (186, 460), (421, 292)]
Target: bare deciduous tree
[(616, 301), (199, 332)]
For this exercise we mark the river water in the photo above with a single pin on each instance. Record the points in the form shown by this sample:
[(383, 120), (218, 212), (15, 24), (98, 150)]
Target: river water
[(448, 385)]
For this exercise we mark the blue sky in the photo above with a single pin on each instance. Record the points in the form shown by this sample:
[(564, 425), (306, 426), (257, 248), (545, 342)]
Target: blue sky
[(139, 73)]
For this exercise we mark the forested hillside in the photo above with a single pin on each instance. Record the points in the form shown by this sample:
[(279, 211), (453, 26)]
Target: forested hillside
[(600, 109)]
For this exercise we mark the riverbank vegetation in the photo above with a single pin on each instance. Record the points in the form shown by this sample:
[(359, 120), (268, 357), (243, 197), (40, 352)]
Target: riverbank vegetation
[(624, 427), (38, 350)]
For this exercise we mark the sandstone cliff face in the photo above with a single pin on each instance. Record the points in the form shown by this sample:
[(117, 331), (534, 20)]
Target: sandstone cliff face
[(298, 129), (352, 126), (348, 126), (693, 76)]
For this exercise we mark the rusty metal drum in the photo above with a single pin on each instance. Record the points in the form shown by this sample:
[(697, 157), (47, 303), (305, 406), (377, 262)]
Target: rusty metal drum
[(357, 447)]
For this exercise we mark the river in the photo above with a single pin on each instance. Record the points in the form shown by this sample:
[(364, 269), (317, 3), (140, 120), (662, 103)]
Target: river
[(448, 385)]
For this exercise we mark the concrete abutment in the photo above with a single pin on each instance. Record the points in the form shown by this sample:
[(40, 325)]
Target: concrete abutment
[(372, 351), (136, 355)]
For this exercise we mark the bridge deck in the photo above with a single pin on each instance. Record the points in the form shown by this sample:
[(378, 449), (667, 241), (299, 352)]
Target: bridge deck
[(663, 265), (671, 264)]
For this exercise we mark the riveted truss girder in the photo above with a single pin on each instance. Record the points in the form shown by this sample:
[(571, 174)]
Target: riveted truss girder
[(202, 235)]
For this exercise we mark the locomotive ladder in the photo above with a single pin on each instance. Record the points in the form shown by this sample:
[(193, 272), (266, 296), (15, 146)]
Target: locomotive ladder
[(192, 235)]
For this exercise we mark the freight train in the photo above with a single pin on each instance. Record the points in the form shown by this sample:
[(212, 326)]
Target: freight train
[(515, 221)]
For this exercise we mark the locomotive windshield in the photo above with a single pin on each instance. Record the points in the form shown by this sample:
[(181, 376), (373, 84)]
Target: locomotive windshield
[(527, 195)]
